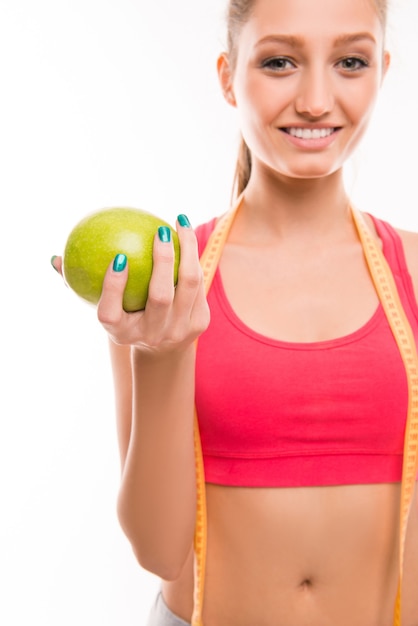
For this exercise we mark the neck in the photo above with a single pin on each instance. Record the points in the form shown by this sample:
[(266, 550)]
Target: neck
[(278, 207)]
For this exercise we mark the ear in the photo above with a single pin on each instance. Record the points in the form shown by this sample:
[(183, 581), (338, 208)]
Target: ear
[(385, 63), (225, 78)]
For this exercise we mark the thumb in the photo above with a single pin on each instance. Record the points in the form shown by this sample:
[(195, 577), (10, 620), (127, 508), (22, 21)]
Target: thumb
[(56, 262), (110, 305)]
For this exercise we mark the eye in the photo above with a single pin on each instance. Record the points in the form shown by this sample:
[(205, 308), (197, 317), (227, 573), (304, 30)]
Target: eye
[(278, 64), (352, 64)]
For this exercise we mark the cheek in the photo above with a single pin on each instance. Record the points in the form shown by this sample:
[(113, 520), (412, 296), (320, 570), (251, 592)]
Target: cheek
[(262, 102), (358, 110), (359, 100)]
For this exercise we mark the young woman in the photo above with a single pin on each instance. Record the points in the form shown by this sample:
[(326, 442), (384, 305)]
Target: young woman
[(299, 385)]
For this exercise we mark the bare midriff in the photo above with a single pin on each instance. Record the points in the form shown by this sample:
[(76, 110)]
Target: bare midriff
[(317, 556)]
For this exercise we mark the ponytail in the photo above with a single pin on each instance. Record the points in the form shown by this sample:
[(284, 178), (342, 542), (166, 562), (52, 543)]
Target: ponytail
[(242, 169)]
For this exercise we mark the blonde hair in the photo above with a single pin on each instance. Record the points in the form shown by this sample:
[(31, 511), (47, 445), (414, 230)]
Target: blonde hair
[(238, 13)]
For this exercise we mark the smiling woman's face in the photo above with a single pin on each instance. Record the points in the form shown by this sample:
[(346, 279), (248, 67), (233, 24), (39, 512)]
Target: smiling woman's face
[(305, 82)]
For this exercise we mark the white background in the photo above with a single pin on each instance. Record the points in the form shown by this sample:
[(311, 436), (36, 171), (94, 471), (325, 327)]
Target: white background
[(106, 103)]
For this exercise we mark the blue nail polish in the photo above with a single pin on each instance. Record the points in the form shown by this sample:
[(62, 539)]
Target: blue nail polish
[(183, 220), (52, 262), (164, 233), (119, 263)]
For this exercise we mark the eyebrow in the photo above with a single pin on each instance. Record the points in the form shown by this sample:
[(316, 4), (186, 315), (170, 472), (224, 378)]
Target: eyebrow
[(298, 42)]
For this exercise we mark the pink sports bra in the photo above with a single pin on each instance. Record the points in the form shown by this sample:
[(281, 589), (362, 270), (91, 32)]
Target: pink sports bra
[(281, 414)]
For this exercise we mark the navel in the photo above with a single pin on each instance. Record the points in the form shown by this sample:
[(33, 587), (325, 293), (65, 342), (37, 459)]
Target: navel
[(306, 584)]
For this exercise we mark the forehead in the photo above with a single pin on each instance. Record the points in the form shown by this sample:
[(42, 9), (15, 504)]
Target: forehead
[(324, 19)]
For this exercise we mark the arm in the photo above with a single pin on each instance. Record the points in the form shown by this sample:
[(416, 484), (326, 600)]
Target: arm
[(153, 360), (157, 500), (120, 358), (154, 410)]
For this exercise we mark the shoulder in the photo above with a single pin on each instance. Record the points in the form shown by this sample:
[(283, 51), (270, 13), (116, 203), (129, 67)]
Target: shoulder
[(410, 245), (408, 240)]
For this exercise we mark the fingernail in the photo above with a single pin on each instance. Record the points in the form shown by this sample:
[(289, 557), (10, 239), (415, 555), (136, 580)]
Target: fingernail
[(183, 220), (119, 263), (164, 234), (52, 262)]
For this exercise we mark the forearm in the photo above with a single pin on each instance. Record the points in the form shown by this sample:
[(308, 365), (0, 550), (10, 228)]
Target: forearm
[(120, 357), (157, 498)]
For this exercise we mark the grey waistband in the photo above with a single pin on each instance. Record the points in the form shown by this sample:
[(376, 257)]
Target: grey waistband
[(162, 616)]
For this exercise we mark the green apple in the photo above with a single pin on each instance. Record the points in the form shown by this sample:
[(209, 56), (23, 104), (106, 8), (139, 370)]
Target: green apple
[(95, 241)]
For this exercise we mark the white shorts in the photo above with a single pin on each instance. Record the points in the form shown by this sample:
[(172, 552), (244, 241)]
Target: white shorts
[(162, 616)]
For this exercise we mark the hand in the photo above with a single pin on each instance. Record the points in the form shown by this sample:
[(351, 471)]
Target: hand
[(173, 316)]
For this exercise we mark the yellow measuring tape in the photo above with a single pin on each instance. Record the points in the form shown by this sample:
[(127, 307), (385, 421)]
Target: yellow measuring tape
[(388, 295)]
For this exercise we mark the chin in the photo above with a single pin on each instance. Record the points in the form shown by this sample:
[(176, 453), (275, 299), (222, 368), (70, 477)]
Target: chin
[(312, 170), (310, 173)]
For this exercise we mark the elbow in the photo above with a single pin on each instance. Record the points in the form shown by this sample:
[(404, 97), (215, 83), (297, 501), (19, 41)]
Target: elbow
[(159, 552), (159, 559), (161, 566)]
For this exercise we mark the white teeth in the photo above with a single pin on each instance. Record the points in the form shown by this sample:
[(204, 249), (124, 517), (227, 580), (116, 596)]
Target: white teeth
[(308, 133)]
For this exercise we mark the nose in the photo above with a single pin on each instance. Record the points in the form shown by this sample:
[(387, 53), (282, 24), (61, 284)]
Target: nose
[(315, 96)]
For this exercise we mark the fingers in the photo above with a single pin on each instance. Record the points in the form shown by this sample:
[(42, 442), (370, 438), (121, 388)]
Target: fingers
[(110, 306), (175, 315), (190, 276), (190, 303), (161, 286)]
